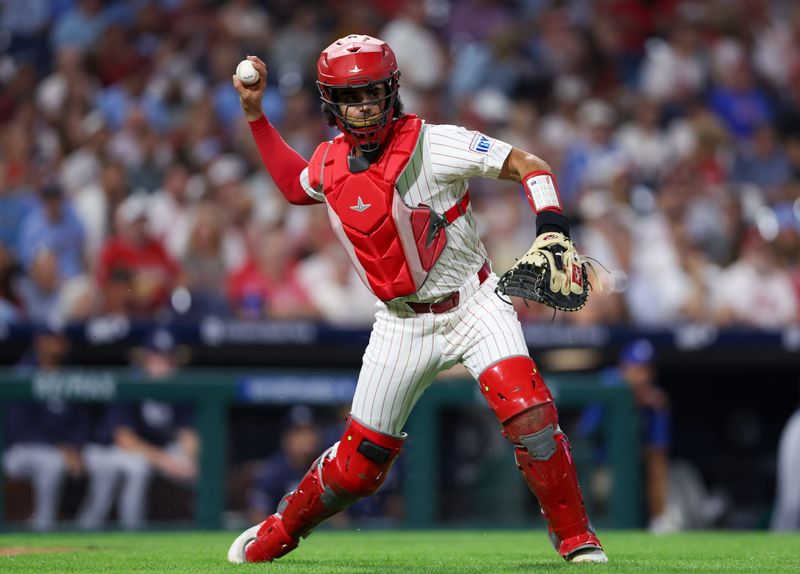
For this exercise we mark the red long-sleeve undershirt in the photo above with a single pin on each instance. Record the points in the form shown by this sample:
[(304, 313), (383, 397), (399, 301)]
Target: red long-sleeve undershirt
[(282, 162)]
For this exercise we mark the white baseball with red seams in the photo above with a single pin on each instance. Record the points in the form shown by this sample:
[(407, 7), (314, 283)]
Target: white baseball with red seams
[(247, 72), (408, 349)]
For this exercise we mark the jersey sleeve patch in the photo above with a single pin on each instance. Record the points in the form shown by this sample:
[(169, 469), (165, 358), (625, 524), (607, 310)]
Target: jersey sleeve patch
[(481, 144)]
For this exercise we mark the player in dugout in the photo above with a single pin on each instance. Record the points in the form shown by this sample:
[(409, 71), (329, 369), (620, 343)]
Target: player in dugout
[(396, 192)]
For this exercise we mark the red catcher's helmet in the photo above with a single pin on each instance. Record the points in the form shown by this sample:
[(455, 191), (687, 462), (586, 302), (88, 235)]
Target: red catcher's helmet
[(358, 61)]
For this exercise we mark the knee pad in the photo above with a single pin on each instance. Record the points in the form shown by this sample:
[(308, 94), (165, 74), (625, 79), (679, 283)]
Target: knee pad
[(357, 465), (513, 386), (517, 393)]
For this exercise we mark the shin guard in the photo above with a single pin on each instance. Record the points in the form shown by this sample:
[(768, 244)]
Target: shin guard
[(545, 462), (354, 467), (517, 394)]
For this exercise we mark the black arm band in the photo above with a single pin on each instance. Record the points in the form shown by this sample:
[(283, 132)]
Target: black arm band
[(552, 221)]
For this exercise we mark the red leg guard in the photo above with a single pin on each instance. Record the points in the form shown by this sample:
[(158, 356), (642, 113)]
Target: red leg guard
[(354, 467), (550, 474), (519, 397)]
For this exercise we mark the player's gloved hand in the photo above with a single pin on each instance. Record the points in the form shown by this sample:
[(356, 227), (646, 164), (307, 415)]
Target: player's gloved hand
[(551, 272)]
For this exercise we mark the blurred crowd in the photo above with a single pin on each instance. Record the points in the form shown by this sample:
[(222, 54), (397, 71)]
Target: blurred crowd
[(130, 186)]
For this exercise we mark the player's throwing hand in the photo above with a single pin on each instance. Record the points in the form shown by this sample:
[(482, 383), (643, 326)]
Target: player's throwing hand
[(250, 95)]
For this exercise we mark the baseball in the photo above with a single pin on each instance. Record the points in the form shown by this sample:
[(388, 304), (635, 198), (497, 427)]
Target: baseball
[(247, 72)]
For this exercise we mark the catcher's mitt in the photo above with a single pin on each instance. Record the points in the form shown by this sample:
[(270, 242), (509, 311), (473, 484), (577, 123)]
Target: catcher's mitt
[(551, 273)]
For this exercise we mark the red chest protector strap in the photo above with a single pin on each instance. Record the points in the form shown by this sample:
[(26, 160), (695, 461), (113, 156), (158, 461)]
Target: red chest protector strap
[(434, 222), (457, 210)]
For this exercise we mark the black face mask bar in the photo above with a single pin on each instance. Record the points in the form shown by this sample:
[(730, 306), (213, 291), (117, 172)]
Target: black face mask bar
[(363, 130)]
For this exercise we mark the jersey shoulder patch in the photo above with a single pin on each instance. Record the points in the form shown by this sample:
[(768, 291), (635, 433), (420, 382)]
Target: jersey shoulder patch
[(480, 143)]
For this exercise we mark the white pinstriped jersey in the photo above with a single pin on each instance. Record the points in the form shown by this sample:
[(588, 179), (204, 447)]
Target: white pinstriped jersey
[(445, 158)]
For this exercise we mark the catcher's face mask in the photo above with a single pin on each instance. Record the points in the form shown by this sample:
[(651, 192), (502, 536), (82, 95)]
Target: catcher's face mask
[(358, 81)]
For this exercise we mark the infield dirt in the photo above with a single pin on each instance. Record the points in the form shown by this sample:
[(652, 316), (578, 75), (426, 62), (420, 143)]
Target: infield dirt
[(20, 550)]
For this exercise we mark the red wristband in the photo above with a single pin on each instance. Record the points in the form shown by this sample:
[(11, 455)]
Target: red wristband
[(542, 191)]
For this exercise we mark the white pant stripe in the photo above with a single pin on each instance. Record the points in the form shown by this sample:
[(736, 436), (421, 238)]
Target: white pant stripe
[(376, 381), (402, 356), (420, 368)]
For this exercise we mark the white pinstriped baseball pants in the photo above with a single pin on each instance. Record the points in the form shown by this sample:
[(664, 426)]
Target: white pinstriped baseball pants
[(407, 350)]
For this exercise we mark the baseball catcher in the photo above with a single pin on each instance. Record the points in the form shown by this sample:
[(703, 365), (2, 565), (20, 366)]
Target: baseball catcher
[(397, 195)]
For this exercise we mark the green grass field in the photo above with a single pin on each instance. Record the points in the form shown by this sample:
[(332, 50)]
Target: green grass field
[(400, 552)]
